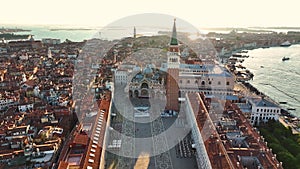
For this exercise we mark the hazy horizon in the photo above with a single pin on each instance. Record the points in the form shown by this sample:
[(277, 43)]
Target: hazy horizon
[(202, 14), (76, 26)]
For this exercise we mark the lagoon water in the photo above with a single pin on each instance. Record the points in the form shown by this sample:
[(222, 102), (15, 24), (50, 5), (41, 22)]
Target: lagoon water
[(41, 32), (278, 79), (78, 34)]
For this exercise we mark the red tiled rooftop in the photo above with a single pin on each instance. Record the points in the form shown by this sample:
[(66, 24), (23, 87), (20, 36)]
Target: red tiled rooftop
[(63, 165), (81, 139)]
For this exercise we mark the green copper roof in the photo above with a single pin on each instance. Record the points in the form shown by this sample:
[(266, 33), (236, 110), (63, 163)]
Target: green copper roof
[(174, 35)]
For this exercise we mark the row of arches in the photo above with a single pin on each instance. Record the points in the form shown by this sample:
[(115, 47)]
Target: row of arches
[(203, 83), (208, 92), (146, 93)]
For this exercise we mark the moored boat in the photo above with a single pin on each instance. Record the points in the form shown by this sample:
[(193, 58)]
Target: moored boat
[(286, 44), (285, 58)]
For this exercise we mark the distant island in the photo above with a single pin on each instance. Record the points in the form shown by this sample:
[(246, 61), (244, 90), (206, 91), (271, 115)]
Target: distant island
[(250, 30), (70, 29), (281, 27), (12, 30), (12, 36), (254, 29)]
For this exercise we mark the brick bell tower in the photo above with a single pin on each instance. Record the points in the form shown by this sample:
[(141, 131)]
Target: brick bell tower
[(173, 63)]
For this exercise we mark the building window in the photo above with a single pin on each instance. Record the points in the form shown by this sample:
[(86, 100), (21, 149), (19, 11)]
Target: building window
[(227, 83), (257, 110), (180, 81), (188, 81), (196, 81), (209, 82), (219, 83), (203, 83)]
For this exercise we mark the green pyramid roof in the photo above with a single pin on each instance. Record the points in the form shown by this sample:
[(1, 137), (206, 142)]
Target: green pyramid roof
[(174, 35)]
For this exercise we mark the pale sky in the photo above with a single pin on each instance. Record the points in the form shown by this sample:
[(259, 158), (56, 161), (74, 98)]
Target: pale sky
[(208, 13)]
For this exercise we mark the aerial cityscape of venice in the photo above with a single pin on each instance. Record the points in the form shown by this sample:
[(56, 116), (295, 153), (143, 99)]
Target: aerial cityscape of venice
[(149, 85)]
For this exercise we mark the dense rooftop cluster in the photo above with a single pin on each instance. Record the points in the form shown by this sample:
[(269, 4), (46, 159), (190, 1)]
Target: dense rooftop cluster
[(35, 101)]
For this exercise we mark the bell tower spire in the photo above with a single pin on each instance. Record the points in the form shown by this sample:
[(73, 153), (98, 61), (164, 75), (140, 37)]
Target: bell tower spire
[(134, 32), (174, 45), (174, 35)]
